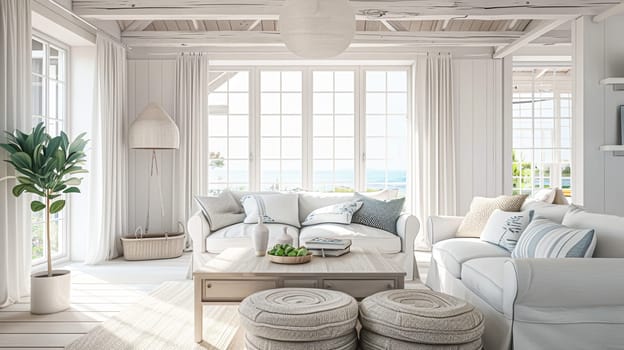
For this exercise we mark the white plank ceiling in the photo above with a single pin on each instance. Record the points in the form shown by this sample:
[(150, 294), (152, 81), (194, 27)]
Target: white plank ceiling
[(504, 25)]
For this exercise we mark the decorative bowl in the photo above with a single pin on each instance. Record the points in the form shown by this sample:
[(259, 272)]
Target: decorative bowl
[(290, 260)]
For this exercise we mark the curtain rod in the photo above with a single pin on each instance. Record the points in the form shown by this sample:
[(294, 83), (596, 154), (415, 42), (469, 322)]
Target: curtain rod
[(94, 27)]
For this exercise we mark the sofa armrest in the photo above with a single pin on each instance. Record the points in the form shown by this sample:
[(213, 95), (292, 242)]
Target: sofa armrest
[(546, 289), (440, 228), (407, 229), (198, 228)]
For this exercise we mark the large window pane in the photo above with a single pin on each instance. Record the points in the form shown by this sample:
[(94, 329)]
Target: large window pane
[(333, 130), (541, 132), (281, 134), (228, 131), (386, 130), (49, 105)]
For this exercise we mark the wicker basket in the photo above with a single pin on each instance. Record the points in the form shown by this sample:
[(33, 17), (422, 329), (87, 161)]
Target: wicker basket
[(153, 246)]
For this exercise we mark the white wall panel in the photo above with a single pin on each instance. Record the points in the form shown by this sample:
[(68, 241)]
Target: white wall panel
[(478, 108), (150, 81)]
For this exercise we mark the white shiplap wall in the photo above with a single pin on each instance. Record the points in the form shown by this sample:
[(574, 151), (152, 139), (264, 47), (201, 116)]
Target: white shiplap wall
[(150, 81), (478, 107), (478, 90)]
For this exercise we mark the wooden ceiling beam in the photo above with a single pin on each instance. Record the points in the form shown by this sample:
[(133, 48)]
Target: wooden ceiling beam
[(362, 39), (365, 9), (613, 11), (537, 31), (137, 26)]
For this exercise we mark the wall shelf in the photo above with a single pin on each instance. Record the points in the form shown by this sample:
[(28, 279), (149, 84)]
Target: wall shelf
[(618, 150), (617, 83)]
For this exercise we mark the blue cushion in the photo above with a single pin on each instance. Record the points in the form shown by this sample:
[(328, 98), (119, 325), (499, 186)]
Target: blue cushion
[(547, 239), (379, 214)]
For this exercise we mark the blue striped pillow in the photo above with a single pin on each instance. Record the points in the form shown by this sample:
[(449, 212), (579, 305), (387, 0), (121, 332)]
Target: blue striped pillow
[(546, 239)]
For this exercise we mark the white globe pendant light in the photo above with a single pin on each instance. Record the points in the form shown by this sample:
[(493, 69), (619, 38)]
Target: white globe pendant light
[(317, 28)]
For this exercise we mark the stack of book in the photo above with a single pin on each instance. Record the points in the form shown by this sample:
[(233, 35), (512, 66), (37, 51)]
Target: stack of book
[(320, 246)]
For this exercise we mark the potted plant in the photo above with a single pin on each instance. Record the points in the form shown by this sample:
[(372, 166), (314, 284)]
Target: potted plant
[(46, 167)]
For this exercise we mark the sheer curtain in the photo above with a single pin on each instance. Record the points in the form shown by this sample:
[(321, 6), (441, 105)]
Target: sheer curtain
[(433, 158), (15, 113), (191, 113), (109, 154)]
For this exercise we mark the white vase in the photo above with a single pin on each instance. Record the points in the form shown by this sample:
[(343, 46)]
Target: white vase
[(260, 238), (50, 294), (284, 238)]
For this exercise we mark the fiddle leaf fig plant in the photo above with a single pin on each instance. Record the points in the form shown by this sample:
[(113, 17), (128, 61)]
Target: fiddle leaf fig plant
[(47, 167)]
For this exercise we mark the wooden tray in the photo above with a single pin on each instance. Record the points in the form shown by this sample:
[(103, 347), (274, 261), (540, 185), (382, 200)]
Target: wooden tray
[(290, 260)]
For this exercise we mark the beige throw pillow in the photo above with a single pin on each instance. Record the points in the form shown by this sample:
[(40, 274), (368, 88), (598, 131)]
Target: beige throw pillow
[(480, 210)]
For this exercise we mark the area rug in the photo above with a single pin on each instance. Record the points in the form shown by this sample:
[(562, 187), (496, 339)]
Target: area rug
[(164, 320)]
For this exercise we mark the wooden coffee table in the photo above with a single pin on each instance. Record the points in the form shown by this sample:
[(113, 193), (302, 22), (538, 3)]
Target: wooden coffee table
[(236, 273)]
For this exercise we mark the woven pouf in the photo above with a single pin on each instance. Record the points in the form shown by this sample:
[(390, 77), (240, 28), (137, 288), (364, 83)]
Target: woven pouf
[(374, 341), (421, 317), (345, 342), (298, 315)]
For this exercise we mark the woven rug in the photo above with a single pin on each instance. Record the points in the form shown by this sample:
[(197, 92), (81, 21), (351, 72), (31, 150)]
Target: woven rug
[(164, 320)]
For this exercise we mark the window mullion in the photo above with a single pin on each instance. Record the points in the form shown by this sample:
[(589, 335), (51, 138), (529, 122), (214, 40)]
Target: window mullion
[(307, 142), (254, 132), (360, 130)]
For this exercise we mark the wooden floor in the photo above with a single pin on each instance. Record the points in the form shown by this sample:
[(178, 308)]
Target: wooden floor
[(98, 292)]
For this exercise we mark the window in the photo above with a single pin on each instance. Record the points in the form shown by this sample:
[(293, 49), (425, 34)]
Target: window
[(228, 131), (333, 128), (542, 121), (338, 129), (49, 105), (386, 125), (281, 131)]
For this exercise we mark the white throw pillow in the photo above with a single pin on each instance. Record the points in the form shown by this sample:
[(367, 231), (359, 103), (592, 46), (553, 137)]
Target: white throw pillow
[(504, 228), (340, 213), (480, 210), (220, 211), (546, 239), (274, 208)]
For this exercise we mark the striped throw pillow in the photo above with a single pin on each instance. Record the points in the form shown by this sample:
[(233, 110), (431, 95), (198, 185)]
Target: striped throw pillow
[(546, 239)]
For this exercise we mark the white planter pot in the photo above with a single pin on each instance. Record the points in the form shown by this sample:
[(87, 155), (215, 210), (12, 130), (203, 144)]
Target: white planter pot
[(50, 294)]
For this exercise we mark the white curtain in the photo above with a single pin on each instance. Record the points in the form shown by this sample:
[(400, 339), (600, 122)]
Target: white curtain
[(433, 157), (109, 154), (15, 90), (191, 113)]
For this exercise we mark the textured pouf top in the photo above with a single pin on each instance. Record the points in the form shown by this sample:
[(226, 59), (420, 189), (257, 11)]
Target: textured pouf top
[(298, 314), (421, 316)]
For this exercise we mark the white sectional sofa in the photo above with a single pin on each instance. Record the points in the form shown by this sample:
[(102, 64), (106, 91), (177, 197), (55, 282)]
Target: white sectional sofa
[(537, 303), (206, 240)]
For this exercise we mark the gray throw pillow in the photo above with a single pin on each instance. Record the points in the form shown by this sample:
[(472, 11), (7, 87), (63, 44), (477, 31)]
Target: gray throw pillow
[(378, 214), (221, 211)]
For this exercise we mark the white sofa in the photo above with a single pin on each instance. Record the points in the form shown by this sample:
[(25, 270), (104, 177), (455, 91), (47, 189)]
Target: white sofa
[(537, 303), (206, 240)]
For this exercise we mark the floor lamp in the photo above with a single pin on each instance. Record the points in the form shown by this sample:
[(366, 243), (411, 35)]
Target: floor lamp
[(154, 130)]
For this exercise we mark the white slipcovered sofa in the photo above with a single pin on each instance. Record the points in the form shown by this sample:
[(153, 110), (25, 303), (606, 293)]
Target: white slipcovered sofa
[(208, 241), (537, 303)]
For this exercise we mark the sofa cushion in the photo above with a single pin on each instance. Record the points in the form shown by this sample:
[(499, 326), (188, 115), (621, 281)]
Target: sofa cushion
[(239, 236), (609, 230), (270, 208), (381, 214), (310, 201), (484, 277), (505, 227), (221, 211), (552, 212), (452, 253), (340, 213), (361, 236), (480, 210), (546, 239)]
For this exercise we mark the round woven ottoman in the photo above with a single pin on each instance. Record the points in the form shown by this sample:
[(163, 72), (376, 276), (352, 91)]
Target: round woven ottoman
[(421, 317), (299, 315), (374, 341), (345, 342)]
